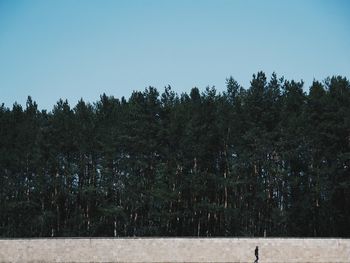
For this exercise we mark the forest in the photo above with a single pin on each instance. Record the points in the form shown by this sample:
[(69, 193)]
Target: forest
[(267, 160)]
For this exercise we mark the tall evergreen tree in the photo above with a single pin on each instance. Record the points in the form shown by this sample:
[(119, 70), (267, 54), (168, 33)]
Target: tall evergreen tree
[(270, 160)]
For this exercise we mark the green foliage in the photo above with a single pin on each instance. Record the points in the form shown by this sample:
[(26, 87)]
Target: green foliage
[(268, 160)]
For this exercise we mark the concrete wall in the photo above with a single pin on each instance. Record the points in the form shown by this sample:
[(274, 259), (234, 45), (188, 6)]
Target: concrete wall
[(174, 250)]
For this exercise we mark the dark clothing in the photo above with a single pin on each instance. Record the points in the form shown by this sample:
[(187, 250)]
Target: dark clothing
[(256, 255)]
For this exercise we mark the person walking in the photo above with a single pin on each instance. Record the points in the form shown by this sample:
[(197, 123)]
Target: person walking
[(256, 254)]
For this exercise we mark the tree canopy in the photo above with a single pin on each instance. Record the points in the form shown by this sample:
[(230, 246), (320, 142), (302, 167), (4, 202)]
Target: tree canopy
[(267, 160)]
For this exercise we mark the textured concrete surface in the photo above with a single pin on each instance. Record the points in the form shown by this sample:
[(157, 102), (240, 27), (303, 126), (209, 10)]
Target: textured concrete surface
[(174, 250)]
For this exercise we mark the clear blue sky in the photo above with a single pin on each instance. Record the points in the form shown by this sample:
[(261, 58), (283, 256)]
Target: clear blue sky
[(72, 49)]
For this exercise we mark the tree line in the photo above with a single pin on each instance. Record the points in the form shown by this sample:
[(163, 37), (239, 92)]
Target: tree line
[(269, 160)]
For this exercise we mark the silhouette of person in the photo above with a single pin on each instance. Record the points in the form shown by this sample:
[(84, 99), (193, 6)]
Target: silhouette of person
[(256, 254)]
